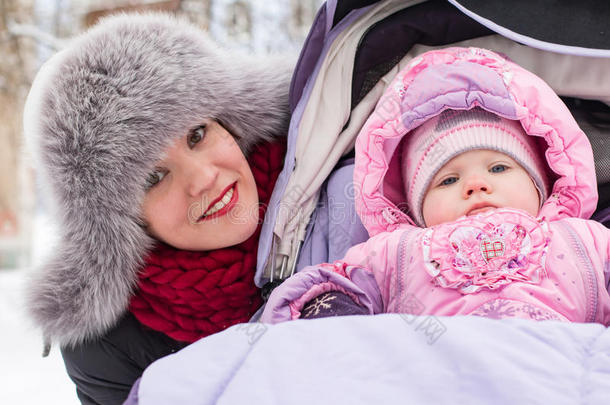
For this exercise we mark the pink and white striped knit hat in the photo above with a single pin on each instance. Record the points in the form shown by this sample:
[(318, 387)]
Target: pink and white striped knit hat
[(431, 145)]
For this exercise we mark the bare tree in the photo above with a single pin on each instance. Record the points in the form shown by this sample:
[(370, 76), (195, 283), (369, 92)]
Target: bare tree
[(15, 75)]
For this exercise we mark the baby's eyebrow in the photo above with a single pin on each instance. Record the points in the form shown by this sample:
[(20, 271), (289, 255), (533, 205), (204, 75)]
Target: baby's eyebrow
[(440, 175), (446, 170)]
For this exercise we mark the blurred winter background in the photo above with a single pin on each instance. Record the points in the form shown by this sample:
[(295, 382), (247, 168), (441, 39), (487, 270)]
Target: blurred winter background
[(30, 32)]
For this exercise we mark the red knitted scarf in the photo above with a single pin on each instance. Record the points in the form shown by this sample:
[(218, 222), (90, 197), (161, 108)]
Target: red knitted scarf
[(188, 295)]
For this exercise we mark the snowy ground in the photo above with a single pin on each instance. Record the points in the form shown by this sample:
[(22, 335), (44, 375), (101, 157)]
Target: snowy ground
[(25, 376)]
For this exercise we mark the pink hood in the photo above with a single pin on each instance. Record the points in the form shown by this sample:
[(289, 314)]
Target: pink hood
[(462, 78)]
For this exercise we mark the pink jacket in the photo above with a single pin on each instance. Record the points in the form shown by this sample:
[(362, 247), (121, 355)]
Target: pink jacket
[(503, 263)]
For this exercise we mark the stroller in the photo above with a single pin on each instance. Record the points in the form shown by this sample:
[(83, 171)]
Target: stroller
[(351, 54), (355, 48)]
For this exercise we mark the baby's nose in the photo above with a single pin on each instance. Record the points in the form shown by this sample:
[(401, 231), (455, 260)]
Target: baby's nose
[(476, 184)]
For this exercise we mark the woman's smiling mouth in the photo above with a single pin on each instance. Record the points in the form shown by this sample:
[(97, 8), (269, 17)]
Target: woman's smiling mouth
[(222, 204)]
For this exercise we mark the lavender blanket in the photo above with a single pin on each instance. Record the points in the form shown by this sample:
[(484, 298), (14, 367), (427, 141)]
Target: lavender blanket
[(388, 359)]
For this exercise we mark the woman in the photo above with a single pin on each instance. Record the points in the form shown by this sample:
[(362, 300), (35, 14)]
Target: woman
[(159, 152)]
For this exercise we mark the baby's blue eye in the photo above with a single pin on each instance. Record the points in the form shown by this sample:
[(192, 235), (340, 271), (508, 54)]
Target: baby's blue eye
[(155, 178), (448, 181), (498, 169)]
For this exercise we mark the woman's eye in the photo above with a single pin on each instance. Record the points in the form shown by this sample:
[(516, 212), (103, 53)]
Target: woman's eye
[(448, 181), (498, 168), (195, 136), (155, 178)]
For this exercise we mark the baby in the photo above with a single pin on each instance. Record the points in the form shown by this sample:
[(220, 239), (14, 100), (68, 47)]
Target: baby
[(473, 144), (488, 158)]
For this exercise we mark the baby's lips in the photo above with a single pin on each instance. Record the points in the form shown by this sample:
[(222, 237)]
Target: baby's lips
[(480, 210)]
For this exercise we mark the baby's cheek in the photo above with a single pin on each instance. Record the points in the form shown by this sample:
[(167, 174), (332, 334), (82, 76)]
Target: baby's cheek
[(530, 204), (437, 210), (528, 199)]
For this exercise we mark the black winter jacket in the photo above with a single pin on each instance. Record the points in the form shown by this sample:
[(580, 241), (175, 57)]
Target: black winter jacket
[(104, 370)]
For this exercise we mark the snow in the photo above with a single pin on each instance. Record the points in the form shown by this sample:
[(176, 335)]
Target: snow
[(26, 377)]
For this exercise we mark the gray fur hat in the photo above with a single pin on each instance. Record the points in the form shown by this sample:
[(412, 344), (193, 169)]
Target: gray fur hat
[(97, 118)]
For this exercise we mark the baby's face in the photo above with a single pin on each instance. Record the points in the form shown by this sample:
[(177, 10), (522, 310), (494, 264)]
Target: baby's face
[(477, 181), (202, 195)]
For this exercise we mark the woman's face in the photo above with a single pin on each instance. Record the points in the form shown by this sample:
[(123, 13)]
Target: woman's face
[(202, 194)]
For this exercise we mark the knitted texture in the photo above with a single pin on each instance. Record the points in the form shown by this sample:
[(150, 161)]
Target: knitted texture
[(453, 132), (188, 295)]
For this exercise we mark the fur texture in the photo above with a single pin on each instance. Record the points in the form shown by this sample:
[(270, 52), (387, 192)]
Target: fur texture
[(98, 116)]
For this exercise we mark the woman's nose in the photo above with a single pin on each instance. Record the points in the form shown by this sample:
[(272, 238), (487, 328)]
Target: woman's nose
[(200, 176), (476, 184)]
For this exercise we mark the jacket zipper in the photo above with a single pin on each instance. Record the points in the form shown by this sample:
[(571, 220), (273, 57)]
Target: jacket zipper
[(405, 250), (591, 280)]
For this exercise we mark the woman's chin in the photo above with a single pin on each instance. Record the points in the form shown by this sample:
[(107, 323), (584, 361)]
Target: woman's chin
[(237, 234), (240, 235)]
